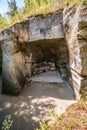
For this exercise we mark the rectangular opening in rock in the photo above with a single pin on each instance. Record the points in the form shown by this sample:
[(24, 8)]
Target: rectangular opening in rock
[(43, 56)]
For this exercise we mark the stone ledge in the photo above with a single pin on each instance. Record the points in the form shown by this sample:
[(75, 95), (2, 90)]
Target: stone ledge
[(79, 84)]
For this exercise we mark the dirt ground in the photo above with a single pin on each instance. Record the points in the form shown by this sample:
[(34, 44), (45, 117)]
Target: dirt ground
[(32, 104)]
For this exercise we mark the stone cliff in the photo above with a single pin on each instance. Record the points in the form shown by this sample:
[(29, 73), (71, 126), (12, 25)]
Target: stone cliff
[(57, 41)]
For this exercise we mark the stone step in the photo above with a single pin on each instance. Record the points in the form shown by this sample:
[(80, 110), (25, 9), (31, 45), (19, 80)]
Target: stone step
[(51, 77)]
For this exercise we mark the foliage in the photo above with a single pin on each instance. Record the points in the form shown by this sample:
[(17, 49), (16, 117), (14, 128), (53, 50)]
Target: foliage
[(17, 17), (14, 14), (52, 113), (2, 22), (43, 126), (7, 123), (13, 9), (32, 8), (76, 2)]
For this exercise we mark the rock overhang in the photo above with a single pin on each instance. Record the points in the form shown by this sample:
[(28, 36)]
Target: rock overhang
[(37, 28)]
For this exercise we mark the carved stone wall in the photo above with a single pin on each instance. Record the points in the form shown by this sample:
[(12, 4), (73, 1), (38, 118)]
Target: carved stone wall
[(10, 84), (75, 24)]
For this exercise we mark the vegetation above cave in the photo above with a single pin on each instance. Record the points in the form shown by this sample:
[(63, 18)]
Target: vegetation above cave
[(32, 8)]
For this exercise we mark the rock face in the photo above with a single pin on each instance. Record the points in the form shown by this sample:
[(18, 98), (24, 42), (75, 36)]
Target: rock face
[(49, 27), (57, 41), (10, 84), (75, 24)]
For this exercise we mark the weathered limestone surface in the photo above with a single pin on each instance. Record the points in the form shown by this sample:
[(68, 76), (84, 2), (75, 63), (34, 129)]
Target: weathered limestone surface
[(10, 84), (57, 41), (37, 28), (75, 23), (46, 28), (19, 66)]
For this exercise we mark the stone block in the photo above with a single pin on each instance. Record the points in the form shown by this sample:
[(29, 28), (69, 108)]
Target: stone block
[(10, 84), (46, 27), (79, 83)]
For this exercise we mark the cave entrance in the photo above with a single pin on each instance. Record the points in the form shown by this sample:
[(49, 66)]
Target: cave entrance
[(46, 56)]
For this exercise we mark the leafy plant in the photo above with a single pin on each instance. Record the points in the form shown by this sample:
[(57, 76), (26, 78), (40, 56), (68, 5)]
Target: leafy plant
[(3, 23), (53, 114), (7, 123), (43, 124), (13, 9)]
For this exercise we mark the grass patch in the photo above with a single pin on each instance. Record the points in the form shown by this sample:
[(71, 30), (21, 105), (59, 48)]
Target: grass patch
[(75, 118)]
